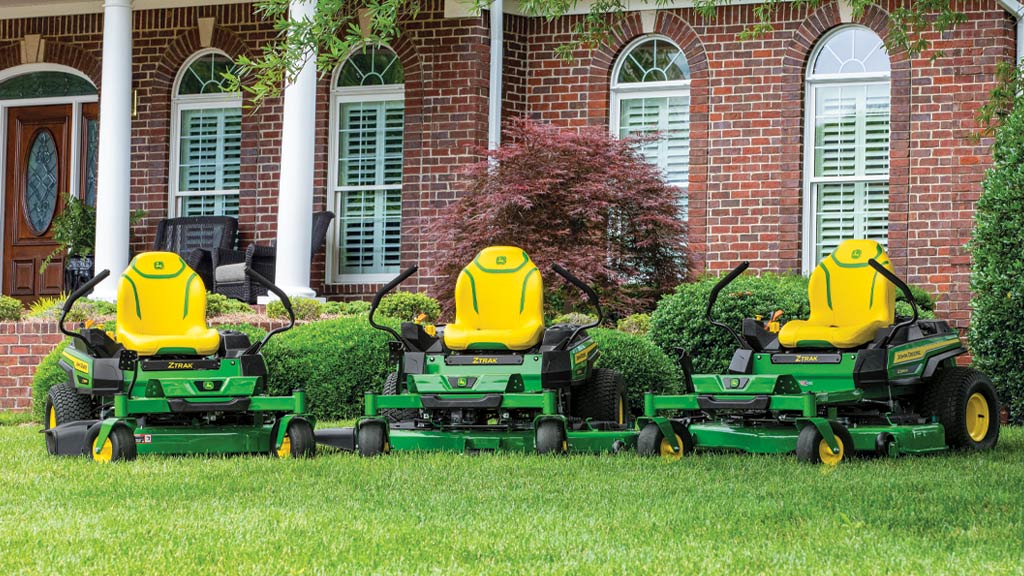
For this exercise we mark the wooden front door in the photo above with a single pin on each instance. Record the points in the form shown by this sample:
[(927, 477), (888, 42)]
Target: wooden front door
[(38, 178)]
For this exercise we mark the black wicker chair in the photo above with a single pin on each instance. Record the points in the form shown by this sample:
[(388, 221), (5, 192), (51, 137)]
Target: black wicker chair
[(198, 240), (230, 279)]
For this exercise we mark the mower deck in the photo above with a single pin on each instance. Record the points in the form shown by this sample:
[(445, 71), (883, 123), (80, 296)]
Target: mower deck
[(583, 441), (916, 439)]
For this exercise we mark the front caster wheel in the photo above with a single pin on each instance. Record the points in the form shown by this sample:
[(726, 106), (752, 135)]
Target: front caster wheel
[(811, 446), (298, 441), (652, 441), (119, 445), (373, 439), (551, 438)]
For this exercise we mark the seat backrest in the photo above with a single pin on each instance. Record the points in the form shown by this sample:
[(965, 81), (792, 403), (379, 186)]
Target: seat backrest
[(501, 290), (182, 235), (846, 291), (159, 295)]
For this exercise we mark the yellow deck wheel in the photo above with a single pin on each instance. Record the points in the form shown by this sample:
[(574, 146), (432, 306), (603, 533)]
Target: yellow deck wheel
[(826, 455), (977, 417), (285, 451), (668, 453), (52, 417), (106, 453)]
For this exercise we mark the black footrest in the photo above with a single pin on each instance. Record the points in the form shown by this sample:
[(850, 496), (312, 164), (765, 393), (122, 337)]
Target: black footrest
[(709, 402), (434, 401), (183, 406)]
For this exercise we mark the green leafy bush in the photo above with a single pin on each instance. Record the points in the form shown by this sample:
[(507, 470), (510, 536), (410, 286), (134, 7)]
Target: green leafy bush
[(922, 297), (638, 324), (48, 373), (577, 318), (407, 307), (10, 308), (353, 308), (51, 308), (219, 304), (997, 276), (304, 308), (336, 361), (642, 364), (679, 319), (904, 309)]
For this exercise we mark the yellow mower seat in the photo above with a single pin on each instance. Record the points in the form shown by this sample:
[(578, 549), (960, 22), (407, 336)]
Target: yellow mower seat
[(161, 308), (849, 300), (499, 303)]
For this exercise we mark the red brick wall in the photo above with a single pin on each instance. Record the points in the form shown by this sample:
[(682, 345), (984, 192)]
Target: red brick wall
[(747, 126), (22, 346)]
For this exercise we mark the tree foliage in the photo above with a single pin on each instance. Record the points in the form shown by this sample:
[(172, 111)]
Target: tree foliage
[(340, 26), (582, 199)]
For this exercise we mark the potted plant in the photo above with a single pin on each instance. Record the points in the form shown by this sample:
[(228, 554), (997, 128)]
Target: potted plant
[(74, 231)]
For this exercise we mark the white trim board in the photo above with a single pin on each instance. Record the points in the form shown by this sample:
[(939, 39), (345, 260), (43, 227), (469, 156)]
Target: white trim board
[(36, 9)]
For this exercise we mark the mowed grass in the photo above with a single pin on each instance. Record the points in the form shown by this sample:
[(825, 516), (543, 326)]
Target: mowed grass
[(509, 513)]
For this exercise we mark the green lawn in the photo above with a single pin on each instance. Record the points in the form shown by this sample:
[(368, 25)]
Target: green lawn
[(497, 514)]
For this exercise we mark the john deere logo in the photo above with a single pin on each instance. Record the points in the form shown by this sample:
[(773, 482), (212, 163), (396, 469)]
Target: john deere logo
[(208, 386), (462, 382), (856, 253), (158, 265), (502, 260)]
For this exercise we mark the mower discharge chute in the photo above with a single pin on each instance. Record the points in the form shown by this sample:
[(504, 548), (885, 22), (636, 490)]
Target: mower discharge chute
[(851, 378), (164, 382), (496, 378)]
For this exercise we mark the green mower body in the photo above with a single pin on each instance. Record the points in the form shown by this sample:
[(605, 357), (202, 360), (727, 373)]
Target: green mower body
[(183, 399), (901, 392), (503, 382)]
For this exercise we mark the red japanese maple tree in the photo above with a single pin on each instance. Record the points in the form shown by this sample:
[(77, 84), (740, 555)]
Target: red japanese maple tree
[(579, 198)]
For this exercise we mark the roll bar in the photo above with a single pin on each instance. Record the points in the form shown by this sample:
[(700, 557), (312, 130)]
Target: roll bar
[(591, 297), (895, 280)]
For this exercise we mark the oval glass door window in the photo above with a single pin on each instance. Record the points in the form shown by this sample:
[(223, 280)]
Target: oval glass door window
[(41, 189)]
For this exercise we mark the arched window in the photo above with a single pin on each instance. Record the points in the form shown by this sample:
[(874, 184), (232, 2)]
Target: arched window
[(368, 118), (650, 92), (206, 138), (846, 188)]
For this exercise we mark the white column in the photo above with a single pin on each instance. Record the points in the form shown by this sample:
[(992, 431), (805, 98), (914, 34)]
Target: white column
[(497, 56), (295, 196), (114, 171)]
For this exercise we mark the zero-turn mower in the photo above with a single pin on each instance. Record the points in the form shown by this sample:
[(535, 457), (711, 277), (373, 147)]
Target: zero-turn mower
[(165, 383), (496, 378), (851, 378)]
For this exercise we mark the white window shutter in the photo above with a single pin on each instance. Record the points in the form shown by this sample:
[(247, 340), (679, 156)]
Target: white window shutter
[(209, 160)]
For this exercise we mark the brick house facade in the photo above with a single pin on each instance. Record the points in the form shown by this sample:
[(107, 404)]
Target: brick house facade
[(747, 121)]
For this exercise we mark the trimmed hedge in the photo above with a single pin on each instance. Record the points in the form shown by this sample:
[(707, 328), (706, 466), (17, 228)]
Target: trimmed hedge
[(679, 320), (407, 307), (48, 373), (638, 324), (642, 364), (304, 309), (997, 274), (219, 304), (336, 361)]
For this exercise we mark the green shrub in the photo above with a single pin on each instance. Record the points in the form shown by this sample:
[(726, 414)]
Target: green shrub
[(924, 299), (51, 308), (10, 308), (638, 324), (47, 374), (219, 304), (577, 318), (100, 307), (47, 307), (336, 361), (679, 319), (997, 275), (353, 308), (642, 364), (904, 309), (304, 308), (408, 306)]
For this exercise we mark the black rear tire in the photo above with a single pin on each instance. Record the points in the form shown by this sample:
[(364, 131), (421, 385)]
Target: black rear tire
[(811, 445), (373, 439), (652, 442), (64, 404), (551, 438), (603, 398), (391, 389), (965, 403)]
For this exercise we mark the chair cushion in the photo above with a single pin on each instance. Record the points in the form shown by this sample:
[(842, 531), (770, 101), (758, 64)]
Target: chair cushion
[(499, 303), (161, 308), (230, 273), (849, 300)]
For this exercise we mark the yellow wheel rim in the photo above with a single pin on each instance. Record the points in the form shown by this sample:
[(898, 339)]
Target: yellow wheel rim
[(827, 457), (622, 410), (666, 449), (52, 418), (106, 454), (977, 417), (285, 451)]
